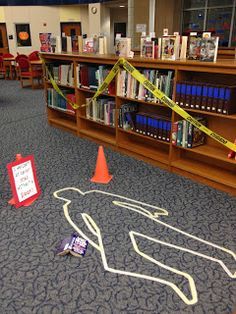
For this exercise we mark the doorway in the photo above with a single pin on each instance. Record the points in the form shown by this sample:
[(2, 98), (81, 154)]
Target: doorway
[(73, 30), (119, 28), (3, 39)]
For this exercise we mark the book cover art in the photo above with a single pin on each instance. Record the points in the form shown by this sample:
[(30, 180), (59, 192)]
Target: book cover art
[(195, 136), (170, 47), (123, 46), (194, 48), (74, 245), (208, 50), (88, 45), (148, 48)]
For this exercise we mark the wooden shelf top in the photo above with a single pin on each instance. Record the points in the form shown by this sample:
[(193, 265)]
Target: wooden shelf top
[(229, 64)]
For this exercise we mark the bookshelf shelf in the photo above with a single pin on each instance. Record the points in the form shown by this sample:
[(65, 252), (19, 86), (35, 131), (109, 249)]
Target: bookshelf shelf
[(210, 172), (142, 101), (92, 91), (211, 151), (97, 122), (151, 139), (207, 163), (99, 134), (208, 113), (145, 150), (61, 110), (63, 123)]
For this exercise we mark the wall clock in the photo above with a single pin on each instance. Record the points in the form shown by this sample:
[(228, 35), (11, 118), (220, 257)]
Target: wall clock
[(94, 10)]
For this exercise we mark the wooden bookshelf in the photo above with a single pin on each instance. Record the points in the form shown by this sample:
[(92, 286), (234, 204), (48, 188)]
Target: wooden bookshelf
[(207, 163)]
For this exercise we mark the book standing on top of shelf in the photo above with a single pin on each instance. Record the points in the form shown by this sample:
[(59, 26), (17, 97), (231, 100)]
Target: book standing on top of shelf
[(170, 47), (209, 47), (123, 46)]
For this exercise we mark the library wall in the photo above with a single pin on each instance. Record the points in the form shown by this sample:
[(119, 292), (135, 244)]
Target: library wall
[(141, 16), (106, 24), (37, 17), (2, 15), (75, 13), (168, 15)]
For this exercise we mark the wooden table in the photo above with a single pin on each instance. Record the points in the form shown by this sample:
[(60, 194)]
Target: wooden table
[(9, 63)]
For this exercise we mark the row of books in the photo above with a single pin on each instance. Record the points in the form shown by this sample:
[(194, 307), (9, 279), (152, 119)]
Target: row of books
[(63, 74), (95, 44), (155, 126), (186, 135), (91, 77), (55, 100), (208, 97), (174, 47), (129, 87), (101, 110)]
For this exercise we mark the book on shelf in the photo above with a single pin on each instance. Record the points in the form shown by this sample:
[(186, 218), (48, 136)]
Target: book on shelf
[(194, 47), (170, 47), (88, 45), (147, 49), (185, 134), (209, 48), (71, 98), (183, 47), (64, 43), (101, 110), (74, 245), (123, 46)]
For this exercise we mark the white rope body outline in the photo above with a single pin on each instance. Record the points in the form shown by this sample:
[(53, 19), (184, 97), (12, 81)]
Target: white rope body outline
[(94, 229)]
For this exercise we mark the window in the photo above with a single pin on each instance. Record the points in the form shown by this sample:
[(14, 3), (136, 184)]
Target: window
[(215, 16), (23, 35)]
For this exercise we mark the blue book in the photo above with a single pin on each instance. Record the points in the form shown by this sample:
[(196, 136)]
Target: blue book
[(183, 94), (193, 96), (188, 95), (209, 98), (204, 97), (215, 99), (198, 97), (178, 92)]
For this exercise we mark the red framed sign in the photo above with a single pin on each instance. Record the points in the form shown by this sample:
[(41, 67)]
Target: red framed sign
[(23, 180)]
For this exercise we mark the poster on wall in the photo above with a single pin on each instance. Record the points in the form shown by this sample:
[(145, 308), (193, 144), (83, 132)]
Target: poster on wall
[(23, 35), (45, 41)]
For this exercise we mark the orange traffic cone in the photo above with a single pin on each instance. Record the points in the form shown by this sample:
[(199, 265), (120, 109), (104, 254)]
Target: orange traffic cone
[(101, 174)]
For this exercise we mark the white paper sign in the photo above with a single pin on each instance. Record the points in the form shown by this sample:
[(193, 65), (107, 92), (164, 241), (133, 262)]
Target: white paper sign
[(24, 180)]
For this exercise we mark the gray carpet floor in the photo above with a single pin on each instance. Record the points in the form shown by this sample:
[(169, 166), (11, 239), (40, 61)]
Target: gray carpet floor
[(33, 279)]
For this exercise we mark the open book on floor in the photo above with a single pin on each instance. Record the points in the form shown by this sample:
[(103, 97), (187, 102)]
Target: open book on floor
[(74, 245)]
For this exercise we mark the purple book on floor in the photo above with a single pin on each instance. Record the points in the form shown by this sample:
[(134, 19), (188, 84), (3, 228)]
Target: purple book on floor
[(74, 245)]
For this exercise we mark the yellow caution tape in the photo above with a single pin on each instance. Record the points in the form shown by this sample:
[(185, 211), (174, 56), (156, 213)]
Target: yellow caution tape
[(57, 89), (170, 103), (113, 72)]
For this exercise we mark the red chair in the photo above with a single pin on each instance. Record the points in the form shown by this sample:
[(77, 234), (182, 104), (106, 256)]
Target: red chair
[(26, 72), (33, 56), (17, 66)]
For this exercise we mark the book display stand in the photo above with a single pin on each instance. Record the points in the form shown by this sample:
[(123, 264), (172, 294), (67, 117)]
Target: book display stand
[(192, 84)]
